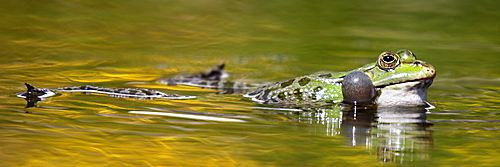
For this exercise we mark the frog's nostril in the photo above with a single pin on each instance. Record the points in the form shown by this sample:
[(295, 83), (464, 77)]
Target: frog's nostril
[(417, 63)]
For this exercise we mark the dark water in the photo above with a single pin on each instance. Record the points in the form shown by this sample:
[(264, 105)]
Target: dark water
[(134, 43)]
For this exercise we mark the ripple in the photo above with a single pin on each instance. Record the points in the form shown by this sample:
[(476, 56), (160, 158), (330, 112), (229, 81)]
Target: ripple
[(189, 116)]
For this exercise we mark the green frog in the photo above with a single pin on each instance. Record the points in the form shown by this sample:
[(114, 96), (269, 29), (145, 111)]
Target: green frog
[(398, 79), (395, 79)]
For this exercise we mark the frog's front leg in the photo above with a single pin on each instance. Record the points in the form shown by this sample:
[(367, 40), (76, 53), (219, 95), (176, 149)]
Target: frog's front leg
[(358, 88)]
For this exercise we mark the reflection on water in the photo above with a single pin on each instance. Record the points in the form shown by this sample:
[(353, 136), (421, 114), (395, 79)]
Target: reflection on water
[(401, 135), (395, 135), (109, 43)]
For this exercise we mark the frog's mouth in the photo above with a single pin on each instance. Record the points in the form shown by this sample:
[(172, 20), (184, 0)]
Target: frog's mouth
[(424, 82)]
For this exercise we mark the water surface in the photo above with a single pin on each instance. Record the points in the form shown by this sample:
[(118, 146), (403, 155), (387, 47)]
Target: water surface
[(134, 43)]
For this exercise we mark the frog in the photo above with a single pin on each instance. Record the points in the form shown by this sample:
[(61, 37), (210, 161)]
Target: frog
[(398, 79), (395, 79)]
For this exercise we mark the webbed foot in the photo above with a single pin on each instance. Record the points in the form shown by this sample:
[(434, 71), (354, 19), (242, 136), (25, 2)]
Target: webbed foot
[(34, 95)]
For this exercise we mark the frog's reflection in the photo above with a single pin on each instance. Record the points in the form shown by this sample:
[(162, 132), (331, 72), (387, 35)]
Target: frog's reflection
[(395, 135)]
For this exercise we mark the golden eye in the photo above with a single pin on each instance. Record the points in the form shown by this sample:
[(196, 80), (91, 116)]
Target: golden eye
[(388, 60)]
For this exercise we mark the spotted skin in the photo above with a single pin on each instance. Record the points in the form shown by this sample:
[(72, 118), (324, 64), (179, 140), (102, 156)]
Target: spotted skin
[(318, 89), (388, 74)]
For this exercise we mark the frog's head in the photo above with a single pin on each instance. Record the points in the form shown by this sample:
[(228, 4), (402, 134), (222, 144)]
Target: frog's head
[(401, 79)]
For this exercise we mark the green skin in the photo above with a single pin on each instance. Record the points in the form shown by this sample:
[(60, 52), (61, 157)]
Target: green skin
[(397, 79), (390, 69)]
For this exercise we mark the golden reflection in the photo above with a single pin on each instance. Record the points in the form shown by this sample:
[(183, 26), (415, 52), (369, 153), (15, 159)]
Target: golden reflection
[(85, 76), (176, 87), (44, 63), (62, 43), (92, 76), (89, 105), (132, 74), (39, 43)]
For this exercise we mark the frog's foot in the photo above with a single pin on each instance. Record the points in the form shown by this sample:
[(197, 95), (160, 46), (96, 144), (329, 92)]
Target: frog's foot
[(358, 88), (217, 73), (212, 79), (206, 79), (34, 95)]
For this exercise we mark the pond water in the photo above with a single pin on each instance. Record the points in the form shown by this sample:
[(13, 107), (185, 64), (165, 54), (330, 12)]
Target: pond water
[(134, 43)]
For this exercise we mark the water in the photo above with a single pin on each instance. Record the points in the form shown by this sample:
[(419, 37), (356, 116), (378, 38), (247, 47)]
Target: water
[(134, 43)]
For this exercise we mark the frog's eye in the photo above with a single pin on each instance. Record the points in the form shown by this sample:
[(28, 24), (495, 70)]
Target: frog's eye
[(406, 55), (388, 60)]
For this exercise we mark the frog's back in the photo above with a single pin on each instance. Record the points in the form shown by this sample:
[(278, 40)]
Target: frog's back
[(310, 89)]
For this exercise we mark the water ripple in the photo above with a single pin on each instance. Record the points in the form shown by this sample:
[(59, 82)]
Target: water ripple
[(189, 116)]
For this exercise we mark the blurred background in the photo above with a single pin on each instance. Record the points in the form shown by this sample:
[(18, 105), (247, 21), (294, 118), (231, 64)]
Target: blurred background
[(53, 43)]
